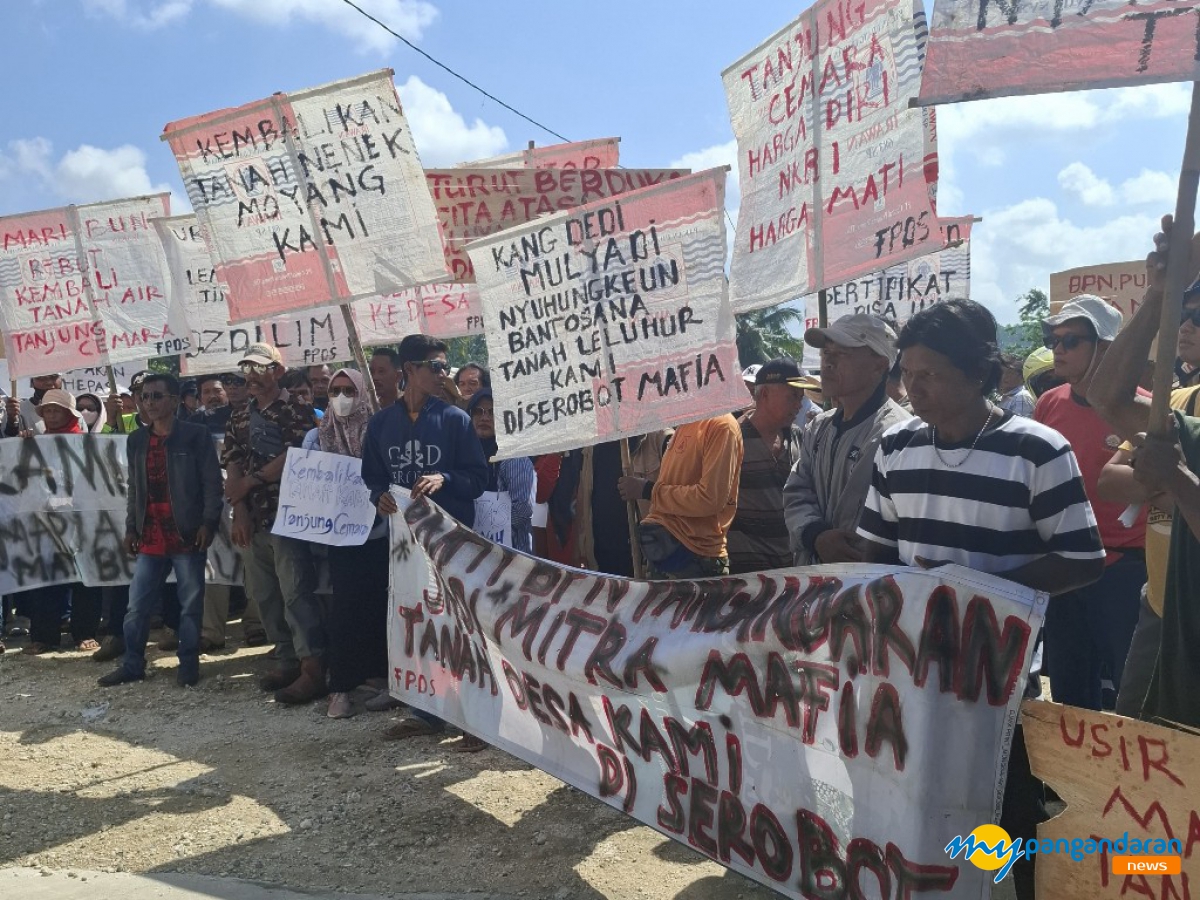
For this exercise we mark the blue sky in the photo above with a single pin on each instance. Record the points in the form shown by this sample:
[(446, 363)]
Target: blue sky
[(1060, 180)]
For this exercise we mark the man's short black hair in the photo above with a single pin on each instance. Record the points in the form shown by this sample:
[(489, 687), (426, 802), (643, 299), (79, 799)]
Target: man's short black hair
[(964, 332), (1011, 361), (485, 377), (169, 382), (202, 380), (417, 347), (293, 378), (389, 354)]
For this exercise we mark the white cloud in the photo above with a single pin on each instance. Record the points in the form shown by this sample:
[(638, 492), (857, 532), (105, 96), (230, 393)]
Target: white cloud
[(709, 158), (442, 136), (1023, 243), (83, 175), (1080, 181), (1147, 187), (407, 17)]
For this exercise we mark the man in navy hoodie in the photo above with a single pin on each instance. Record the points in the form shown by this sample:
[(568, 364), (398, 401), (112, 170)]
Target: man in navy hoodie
[(424, 444)]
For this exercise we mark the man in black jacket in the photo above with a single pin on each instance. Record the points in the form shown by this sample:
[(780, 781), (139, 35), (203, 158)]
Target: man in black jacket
[(172, 512)]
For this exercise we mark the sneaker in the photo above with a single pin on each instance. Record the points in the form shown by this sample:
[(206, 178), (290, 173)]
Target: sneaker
[(110, 648), (382, 702), (340, 706), (118, 676)]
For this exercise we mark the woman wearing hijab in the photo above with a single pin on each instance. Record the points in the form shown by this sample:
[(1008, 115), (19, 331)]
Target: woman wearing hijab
[(91, 412), (512, 477), (358, 613)]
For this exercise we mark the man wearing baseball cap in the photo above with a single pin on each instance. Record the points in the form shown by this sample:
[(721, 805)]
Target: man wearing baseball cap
[(827, 487), (1088, 631), (279, 571), (758, 536)]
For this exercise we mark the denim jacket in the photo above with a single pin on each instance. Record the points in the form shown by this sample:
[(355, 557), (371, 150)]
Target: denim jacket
[(193, 479)]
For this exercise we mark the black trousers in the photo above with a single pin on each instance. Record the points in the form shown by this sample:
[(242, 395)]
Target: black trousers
[(1024, 809), (358, 614)]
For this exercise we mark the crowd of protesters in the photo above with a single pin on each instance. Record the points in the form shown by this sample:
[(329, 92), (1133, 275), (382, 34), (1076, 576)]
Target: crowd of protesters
[(917, 448)]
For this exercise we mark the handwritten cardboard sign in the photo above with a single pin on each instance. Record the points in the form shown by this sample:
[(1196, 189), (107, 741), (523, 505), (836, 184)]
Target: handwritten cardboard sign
[(306, 338), (471, 204), (812, 729), (993, 48), (85, 286), (1118, 777), (600, 153), (1122, 284), (610, 319), (311, 198), (322, 499), (831, 161)]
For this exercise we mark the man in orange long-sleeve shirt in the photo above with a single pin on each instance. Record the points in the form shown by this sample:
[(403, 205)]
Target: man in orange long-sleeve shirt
[(693, 502)]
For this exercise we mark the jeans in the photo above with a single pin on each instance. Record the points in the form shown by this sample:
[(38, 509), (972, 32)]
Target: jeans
[(280, 575), (1091, 628), (149, 575)]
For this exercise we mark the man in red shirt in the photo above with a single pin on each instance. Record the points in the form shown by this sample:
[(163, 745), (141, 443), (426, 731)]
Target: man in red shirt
[(173, 508), (1088, 631)]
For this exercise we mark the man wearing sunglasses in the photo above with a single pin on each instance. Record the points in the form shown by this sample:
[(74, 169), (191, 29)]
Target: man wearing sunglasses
[(428, 446), (173, 509), (279, 572), (1088, 631)]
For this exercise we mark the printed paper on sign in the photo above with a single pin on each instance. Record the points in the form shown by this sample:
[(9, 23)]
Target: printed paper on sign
[(832, 163), (85, 286), (993, 48), (611, 319), (601, 153), (306, 338), (310, 198), (863, 732)]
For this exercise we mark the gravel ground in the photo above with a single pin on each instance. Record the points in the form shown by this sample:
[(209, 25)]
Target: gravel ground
[(219, 780)]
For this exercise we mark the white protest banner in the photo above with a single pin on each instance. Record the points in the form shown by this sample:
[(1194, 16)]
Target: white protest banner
[(85, 286), (600, 153), (322, 499), (610, 320), (993, 48), (1123, 781), (304, 338), (62, 515), (832, 162), (1121, 284), (442, 310), (903, 290), (95, 380), (473, 204), (310, 199), (825, 731)]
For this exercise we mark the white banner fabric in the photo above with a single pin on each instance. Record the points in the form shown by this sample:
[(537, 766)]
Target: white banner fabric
[(809, 728), (311, 198), (611, 319), (599, 153), (322, 499), (85, 286), (832, 162)]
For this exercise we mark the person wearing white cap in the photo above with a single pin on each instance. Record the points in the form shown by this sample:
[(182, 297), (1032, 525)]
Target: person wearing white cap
[(1088, 631), (827, 487)]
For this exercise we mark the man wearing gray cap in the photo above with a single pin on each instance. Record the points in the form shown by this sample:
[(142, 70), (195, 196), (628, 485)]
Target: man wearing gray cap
[(1088, 630), (827, 487)]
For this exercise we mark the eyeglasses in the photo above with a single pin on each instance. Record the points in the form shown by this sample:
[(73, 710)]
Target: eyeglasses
[(1068, 341), (436, 366), (1191, 315), (349, 390), (256, 368), (154, 395), (481, 412)]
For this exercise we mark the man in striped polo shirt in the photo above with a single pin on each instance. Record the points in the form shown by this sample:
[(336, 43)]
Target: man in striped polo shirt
[(967, 483)]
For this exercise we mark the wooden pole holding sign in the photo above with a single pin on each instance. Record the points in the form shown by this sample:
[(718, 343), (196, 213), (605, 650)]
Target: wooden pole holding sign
[(1178, 264), (635, 547)]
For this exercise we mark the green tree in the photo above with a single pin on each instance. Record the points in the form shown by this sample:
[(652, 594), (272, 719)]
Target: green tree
[(1034, 308), (463, 350), (764, 335)]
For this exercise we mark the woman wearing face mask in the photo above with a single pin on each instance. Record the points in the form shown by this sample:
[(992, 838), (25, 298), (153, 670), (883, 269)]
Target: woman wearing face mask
[(91, 408), (358, 612)]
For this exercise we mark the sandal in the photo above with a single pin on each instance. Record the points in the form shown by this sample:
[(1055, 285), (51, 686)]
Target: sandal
[(88, 645), (470, 744), (36, 649), (408, 728)]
